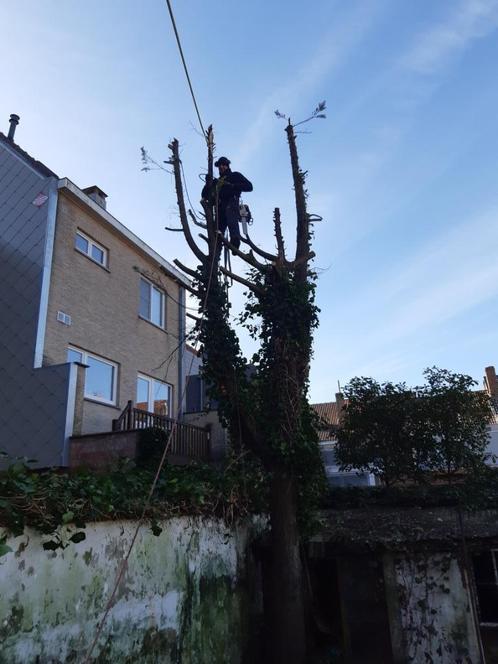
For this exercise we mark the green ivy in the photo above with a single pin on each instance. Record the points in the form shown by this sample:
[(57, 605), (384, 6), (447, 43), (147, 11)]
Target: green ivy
[(50, 499)]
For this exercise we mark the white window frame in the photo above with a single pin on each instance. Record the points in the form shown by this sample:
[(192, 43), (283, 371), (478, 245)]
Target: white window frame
[(151, 380), (162, 293), (92, 243), (84, 357)]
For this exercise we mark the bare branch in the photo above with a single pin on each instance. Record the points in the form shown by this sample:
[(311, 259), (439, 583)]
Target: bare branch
[(255, 289), (173, 230), (187, 270), (192, 291), (195, 220), (299, 261), (181, 202), (278, 235), (302, 231), (247, 257), (208, 209), (257, 250)]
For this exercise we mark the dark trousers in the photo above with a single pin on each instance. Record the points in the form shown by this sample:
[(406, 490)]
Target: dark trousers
[(229, 218)]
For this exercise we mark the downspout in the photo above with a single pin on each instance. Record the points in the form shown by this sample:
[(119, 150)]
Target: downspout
[(70, 410), (48, 252), (181, 350)]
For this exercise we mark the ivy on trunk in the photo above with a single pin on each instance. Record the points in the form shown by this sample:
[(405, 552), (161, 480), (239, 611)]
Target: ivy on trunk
[(268, 413)]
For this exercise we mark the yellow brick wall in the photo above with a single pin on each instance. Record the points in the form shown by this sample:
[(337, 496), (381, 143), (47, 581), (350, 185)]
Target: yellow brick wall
[(104, 305)]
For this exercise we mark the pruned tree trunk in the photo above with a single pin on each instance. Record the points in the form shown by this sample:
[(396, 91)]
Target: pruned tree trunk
[(288, 617), (265, 416)]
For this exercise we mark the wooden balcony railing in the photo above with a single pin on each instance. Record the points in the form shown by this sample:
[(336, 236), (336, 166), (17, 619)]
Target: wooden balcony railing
[(187, 440)]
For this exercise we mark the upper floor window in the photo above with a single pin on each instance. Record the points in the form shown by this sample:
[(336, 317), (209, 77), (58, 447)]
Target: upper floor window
[(100, 375), (152, 303), (90, 248), (153, 396)]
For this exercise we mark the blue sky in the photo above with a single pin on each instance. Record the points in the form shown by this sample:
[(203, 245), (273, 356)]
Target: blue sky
[(404, 170)]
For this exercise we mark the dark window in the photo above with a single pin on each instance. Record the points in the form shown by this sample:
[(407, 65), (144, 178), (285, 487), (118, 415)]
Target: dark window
[(194, 394), (152, 303), (486, 576)]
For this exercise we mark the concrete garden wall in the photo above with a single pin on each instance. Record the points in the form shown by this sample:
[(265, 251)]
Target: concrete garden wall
[(430, 611), (183, 597)]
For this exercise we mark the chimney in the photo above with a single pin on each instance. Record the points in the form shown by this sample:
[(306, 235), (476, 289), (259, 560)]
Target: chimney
[(14, 121), (339, 399), (490, 382), (97, 195)]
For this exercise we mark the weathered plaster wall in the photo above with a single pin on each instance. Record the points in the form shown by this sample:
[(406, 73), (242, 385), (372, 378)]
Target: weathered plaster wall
[(429, 607), (181, 599)]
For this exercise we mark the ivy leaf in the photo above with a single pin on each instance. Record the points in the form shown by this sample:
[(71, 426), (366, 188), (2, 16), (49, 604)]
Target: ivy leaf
[(78, 537), (67, 517), (156, 528), (4, 548), (52, 545)]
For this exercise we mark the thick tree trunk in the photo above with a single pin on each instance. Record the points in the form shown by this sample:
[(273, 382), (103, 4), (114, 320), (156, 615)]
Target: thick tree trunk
[(288, 628)]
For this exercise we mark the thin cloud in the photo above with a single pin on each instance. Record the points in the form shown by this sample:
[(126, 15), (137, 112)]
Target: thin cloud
[(335, 46), (473, 19), (451, 276)]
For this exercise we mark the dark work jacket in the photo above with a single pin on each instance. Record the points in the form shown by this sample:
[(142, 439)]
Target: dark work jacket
[(230, 187)]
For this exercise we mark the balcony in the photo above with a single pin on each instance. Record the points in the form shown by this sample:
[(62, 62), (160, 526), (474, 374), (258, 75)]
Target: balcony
[(186, 442)]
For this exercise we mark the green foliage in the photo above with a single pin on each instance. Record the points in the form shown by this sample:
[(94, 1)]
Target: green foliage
[(4, 549), (150, 447), (472, 493), (48, 500), (457, 418), (401, 433), (273, 388), (379, 431), (265, 404)]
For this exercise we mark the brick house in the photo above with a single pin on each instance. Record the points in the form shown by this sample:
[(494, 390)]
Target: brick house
[(329, 414), (91, 315)]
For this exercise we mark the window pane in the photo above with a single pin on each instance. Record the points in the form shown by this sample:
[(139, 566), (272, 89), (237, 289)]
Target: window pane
[(144, 298), (97, 254), (157, 307), (81, 243), (74, 355), (99, 379), (161, 398), (142, 394)]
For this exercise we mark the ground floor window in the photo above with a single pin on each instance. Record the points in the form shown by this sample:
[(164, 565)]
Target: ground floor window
[(100, 375), (154, 395), (486, 577)]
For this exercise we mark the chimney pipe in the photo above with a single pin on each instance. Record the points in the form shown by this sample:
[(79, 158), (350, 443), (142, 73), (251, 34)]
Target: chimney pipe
[(14, 121), (490, 382)]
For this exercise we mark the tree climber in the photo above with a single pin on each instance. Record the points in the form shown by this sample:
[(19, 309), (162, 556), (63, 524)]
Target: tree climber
[(224, 194)]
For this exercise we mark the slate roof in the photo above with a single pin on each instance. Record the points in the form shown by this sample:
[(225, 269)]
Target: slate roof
[(37, 165)]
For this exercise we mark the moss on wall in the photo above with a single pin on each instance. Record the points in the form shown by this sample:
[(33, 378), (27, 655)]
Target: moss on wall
[(182, 598)]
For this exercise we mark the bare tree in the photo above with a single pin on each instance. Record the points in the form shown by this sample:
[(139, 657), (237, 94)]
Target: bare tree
[(268, 414)]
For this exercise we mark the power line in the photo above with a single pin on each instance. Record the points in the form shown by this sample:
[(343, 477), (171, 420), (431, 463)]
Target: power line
[(185, 67), (175, 424)]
